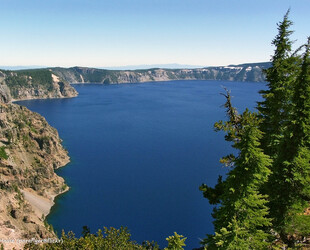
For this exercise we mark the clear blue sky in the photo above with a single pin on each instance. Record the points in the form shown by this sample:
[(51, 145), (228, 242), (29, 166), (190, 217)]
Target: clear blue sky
[(100, 33)]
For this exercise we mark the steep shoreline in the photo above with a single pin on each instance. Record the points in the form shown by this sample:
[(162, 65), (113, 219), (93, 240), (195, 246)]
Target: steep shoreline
[(30, 151), (33, 84)]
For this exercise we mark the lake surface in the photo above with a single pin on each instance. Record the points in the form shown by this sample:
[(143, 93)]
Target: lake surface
[(139, 154)]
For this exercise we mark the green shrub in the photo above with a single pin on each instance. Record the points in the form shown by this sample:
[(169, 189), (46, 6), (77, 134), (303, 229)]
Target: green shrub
[(3, 154)]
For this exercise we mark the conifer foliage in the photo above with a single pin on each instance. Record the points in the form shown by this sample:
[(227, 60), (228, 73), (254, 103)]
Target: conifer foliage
[(274, 108), (292, 166), (264, 202), (242, 216)]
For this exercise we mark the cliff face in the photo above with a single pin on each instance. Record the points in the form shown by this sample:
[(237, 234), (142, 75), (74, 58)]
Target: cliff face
[(33, 84), (242, 73), (30, 151)]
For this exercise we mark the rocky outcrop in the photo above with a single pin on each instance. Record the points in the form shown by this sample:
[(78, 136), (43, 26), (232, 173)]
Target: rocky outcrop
[(30, 151), (5, 94), (33, 84), (243, 73)]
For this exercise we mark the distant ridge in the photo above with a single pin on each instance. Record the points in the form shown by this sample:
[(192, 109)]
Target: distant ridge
[(264, 65), (248, 72)]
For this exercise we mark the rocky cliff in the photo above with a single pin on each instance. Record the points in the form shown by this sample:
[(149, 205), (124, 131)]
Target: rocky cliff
[(243, 73), (33, 84), (30, 151)]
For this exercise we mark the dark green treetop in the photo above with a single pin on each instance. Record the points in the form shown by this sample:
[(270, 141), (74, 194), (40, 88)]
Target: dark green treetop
[(275, 107)]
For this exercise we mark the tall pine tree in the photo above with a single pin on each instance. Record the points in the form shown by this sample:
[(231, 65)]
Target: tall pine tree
[(291, 179), (241, 219), (285, 116), (268, 187), (280, 77)]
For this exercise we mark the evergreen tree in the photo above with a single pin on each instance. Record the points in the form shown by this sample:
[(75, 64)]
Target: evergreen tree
[(241, 219), (300, 118), (280, 77), (291, 178), (286, 120), (275, 143)]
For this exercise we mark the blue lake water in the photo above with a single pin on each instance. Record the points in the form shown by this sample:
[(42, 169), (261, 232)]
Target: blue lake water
[(139, 153)]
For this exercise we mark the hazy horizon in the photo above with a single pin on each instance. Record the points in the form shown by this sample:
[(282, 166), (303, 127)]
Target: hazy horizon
[(124, 67)]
